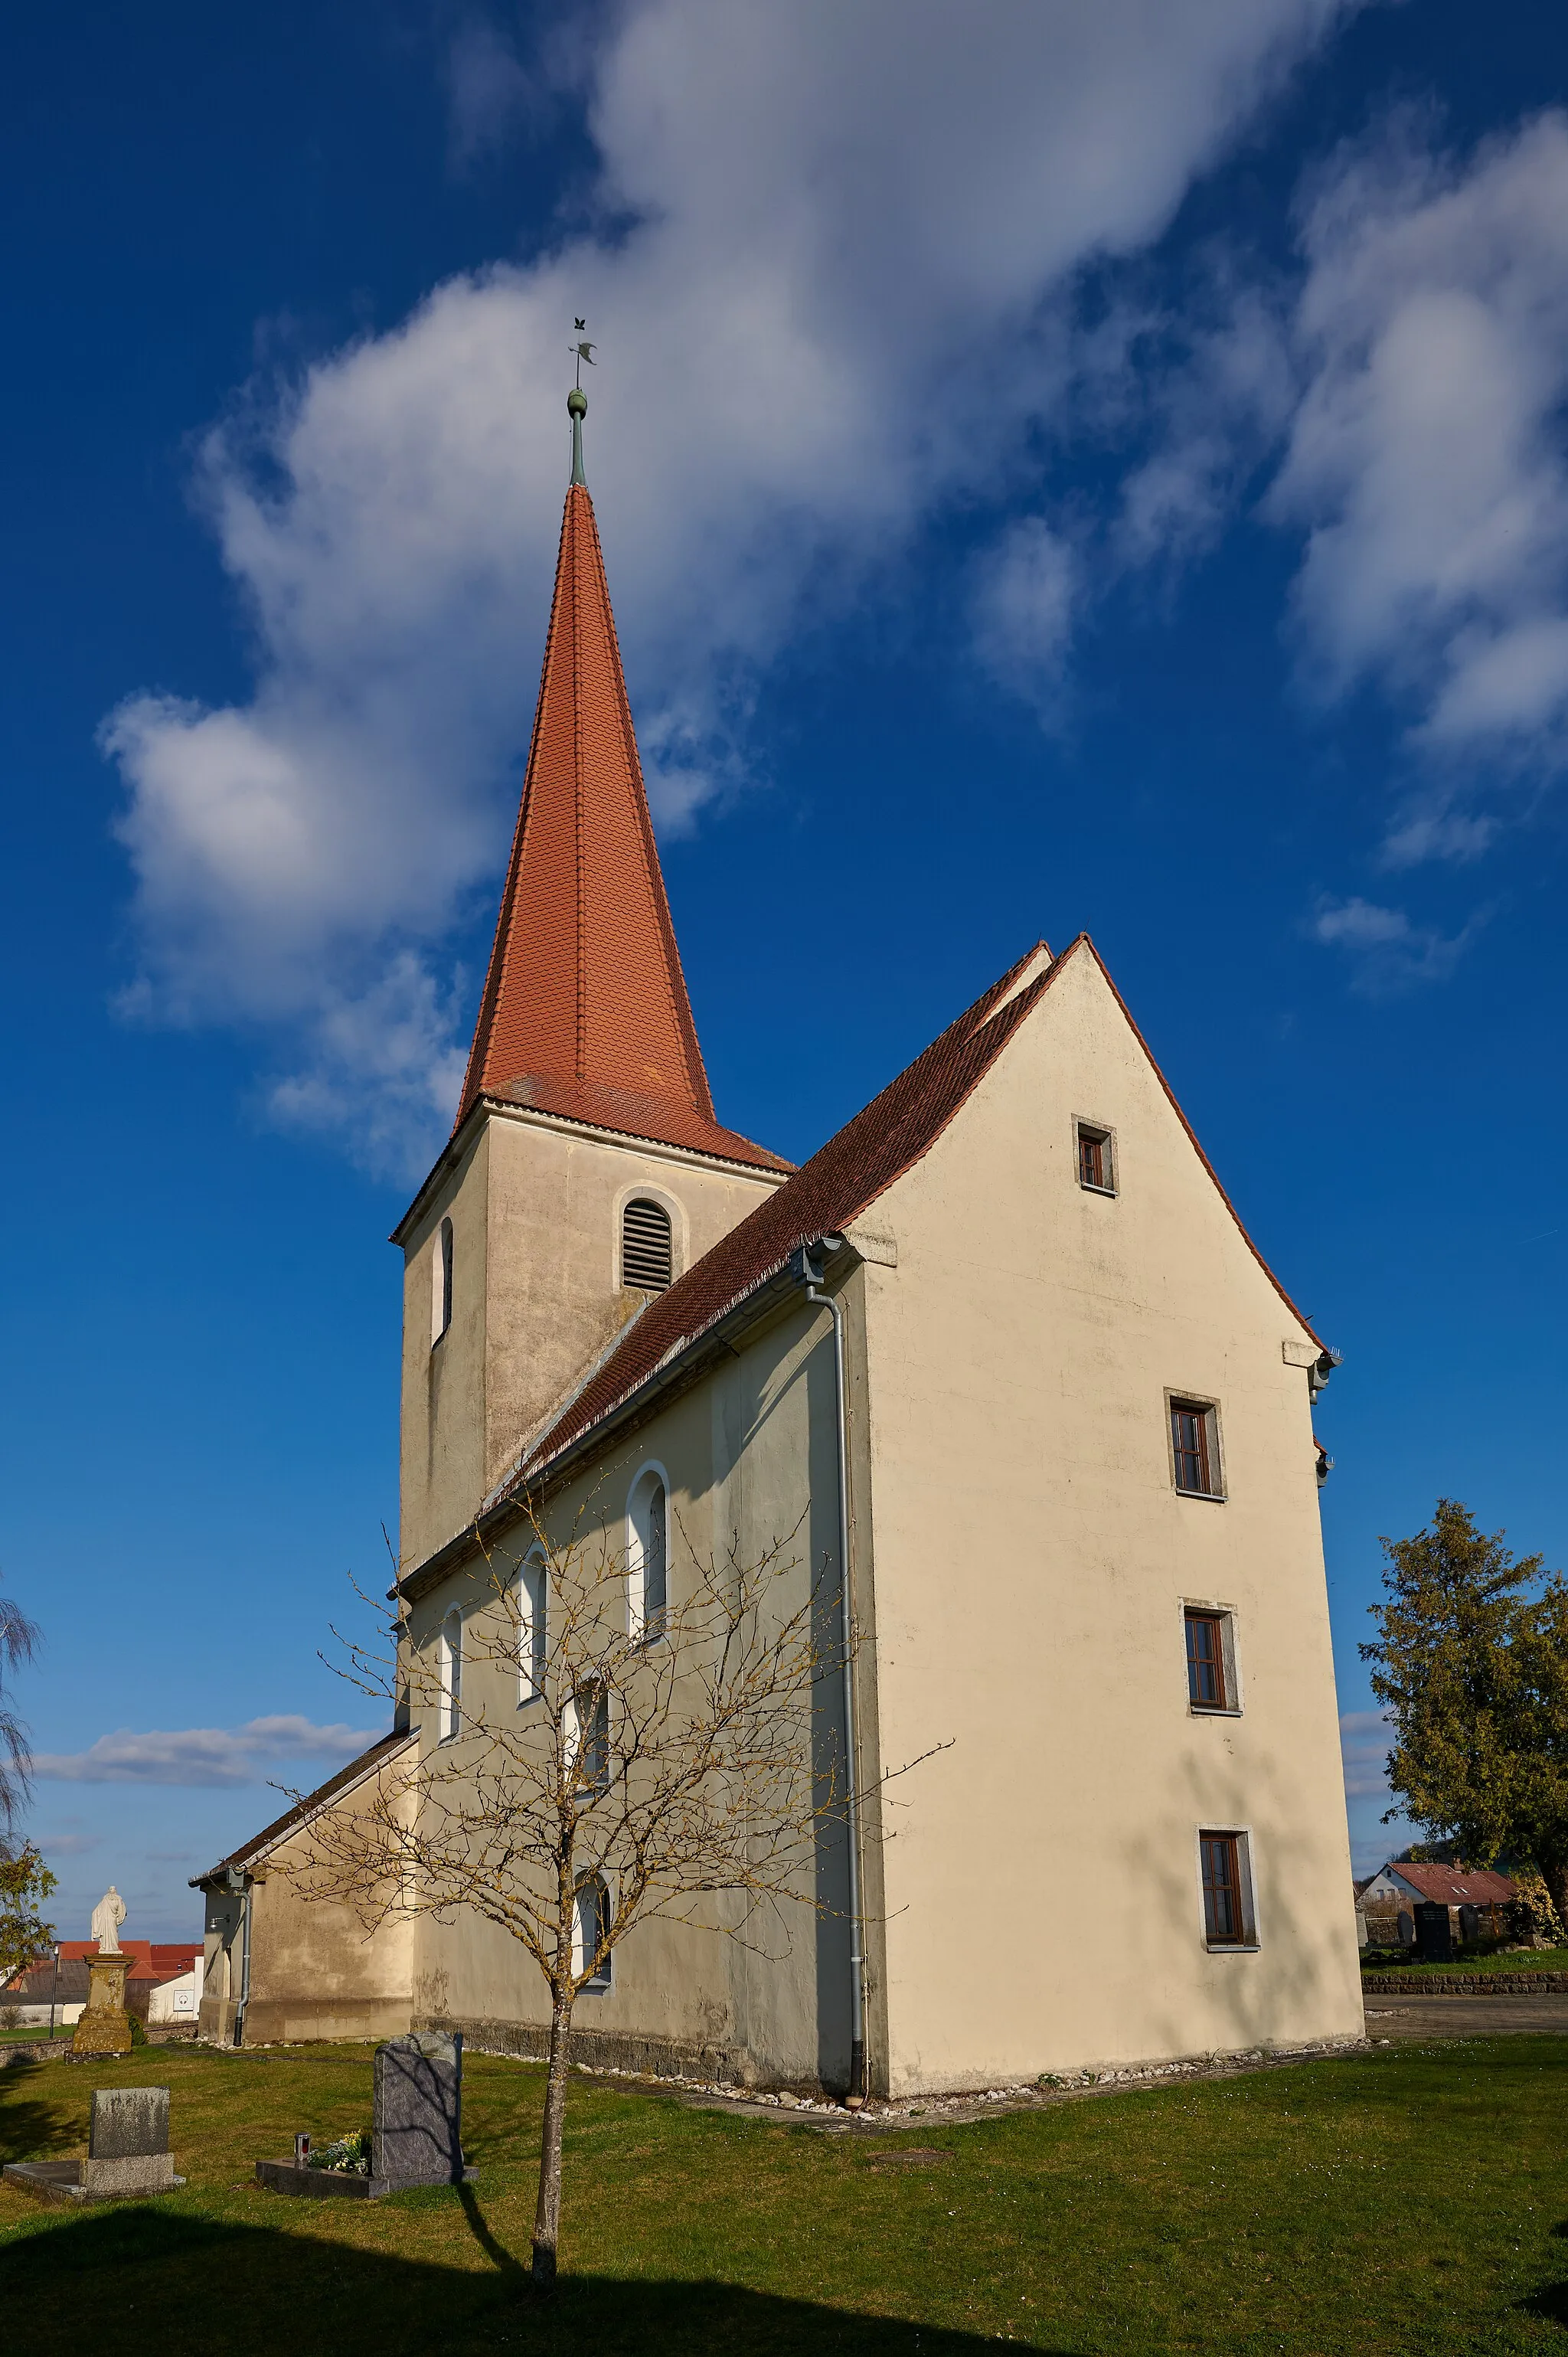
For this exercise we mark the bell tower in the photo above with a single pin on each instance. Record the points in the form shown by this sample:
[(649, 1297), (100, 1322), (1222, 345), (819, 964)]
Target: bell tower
[(585, 1120)]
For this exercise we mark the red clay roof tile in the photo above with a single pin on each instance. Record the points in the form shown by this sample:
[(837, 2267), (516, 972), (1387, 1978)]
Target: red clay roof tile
[(585, 991), (839, 1182)]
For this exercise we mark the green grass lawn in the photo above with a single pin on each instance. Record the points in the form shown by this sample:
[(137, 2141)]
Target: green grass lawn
[(1532, 1960), (1412, 2199)]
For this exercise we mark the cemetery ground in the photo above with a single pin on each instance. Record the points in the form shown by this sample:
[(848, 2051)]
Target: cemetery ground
[(1408, 2198)]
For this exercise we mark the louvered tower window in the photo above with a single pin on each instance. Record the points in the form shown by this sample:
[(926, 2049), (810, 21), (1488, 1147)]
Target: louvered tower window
[(645, 1246)]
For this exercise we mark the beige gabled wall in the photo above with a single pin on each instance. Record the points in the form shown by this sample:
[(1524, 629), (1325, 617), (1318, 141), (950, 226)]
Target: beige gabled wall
[(1031, 1560), (536, 1294)]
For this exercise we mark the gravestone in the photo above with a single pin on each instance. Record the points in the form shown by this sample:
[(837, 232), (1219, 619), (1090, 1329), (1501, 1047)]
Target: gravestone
[(128, 2153), (1433, 1933), (417, 2130), (127, 2144)]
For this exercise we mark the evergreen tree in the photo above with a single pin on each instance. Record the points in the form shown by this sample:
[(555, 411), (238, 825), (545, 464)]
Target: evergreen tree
[(1473, 1670)]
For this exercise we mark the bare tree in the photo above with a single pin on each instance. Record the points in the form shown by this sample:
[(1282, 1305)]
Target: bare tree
[(664, 1761), (18, 1642)]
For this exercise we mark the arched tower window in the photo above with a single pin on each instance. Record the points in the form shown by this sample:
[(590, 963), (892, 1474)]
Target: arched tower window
[(647, 1554), (441, 1284), (645, 1246)]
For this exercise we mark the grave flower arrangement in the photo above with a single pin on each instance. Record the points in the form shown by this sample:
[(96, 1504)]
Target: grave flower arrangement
[(349, 2156)]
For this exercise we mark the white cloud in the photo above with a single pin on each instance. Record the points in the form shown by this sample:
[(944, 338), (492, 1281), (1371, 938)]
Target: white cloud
[(1428, 460), (55, 1845), (1390, 954), (833, 238), (1024, 607), (1364, 1737), (488, 91), (200, 1755)]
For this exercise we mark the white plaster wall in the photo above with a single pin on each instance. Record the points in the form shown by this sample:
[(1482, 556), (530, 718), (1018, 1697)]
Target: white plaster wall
[(1032, 1559)]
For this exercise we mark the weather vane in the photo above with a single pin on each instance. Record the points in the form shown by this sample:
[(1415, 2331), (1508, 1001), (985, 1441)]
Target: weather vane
[(581, 353)]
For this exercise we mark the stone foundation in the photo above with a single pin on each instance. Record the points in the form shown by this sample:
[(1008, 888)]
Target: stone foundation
[(1416, 1983), (660, 2058)]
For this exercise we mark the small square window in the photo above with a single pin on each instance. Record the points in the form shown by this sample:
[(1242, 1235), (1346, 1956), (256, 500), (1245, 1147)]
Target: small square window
[(1227, 1890), (1195, 1448), (1096, 1159), (1209, 1674)]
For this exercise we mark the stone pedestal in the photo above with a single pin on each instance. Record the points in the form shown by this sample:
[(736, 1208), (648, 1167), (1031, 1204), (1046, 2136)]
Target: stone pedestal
[(105, 2025)]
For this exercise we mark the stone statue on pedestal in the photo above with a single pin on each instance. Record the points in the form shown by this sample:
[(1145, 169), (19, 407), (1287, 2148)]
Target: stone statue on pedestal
[(107, 1918), (105, 2025)]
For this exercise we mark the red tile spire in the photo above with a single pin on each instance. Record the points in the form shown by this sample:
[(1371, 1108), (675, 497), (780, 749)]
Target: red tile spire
[(584, 1010)]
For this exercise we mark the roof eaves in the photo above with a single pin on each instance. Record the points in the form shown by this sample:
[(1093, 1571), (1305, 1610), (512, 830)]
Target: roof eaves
[(386, 1747), (683, 1363)]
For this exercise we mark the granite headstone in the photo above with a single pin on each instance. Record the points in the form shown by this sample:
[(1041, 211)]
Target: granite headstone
[(127, 2144), (417, 2130)]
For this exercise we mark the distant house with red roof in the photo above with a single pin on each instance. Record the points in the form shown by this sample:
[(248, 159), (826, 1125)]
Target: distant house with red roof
[(163, 1984), (1477, 1900), (999, 1364)]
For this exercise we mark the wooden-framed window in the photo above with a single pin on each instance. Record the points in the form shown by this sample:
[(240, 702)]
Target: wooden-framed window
[(1096, 1159), (1208, 1680), (1226, 1899), (646, 1246), (1195, 1448)]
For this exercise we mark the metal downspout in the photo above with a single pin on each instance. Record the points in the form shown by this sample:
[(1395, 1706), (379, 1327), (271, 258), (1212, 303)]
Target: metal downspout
[(830, 1301), (247, 1899)]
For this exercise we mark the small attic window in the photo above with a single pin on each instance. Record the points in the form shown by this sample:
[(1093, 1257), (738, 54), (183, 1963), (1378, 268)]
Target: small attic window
[(645, 1246), (1096, 1159)]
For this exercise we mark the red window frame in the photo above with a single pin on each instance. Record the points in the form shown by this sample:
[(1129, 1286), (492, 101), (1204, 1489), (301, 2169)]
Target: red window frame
[(1192, 1448), (1093, 1159), (1207, 1684), (1224, 1892)]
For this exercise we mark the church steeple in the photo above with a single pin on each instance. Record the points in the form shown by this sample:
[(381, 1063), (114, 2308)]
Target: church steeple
[(585, 1011)]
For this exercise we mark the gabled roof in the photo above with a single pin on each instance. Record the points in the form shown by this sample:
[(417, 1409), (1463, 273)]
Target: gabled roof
[(146, 1959), (251, 1852), (842, 1179), (585, 1011), (840, 1182), (1451, 1886)]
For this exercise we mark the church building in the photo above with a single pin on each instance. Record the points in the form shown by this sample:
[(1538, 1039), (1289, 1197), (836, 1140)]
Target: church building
[(1004, 1355)]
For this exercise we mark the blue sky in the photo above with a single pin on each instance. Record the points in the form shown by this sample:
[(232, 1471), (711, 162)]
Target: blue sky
[(1058, 467)]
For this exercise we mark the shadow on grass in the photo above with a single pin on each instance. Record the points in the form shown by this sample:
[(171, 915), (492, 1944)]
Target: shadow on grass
[(142, 2276), (31, 2128)]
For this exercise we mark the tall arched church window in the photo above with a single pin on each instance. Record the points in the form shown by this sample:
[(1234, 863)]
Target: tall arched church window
[(647, 1554), (441, 1284), (588, 1734), (645, 1246), (451, 1663), (533, 1634), (590, 1930)]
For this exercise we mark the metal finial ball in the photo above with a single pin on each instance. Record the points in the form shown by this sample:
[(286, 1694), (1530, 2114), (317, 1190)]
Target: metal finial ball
[(576, 402)]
